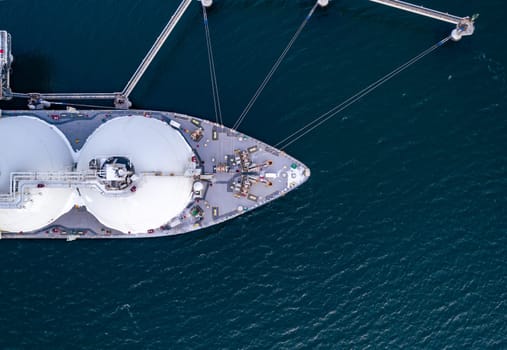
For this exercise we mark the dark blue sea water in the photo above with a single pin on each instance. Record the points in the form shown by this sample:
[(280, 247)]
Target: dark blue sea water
[(399, 239)]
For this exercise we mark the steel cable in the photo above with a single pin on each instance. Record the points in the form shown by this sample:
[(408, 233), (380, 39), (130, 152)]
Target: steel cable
[(266, 80), (295, 136)]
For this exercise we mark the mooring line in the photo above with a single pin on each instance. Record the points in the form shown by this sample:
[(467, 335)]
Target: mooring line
[(274, 68), (295, 136), (213, 74)]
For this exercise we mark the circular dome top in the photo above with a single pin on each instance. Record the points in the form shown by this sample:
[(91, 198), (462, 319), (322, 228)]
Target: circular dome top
[(151, 146), (30, 144)]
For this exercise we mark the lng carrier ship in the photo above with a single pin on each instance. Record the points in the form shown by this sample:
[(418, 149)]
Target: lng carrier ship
[(125, 173), (122, 174)]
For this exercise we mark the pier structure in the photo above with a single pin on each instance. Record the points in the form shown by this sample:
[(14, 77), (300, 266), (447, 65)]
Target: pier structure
[(120, 99), (464, 25), (207, 3), (180, 11)]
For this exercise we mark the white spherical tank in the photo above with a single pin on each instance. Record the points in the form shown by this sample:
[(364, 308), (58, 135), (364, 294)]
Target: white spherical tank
[(29, 144), (160, 156)]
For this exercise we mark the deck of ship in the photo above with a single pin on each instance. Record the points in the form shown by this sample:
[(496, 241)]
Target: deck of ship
[(239, 173)]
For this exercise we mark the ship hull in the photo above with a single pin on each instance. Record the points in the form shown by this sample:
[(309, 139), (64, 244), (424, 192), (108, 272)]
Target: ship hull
[(238, 174)]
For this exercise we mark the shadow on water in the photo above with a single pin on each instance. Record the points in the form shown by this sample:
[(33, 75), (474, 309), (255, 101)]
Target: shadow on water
[(31, 72)]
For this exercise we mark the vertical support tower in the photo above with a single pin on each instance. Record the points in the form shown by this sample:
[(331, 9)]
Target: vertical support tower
[(6, 59)]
